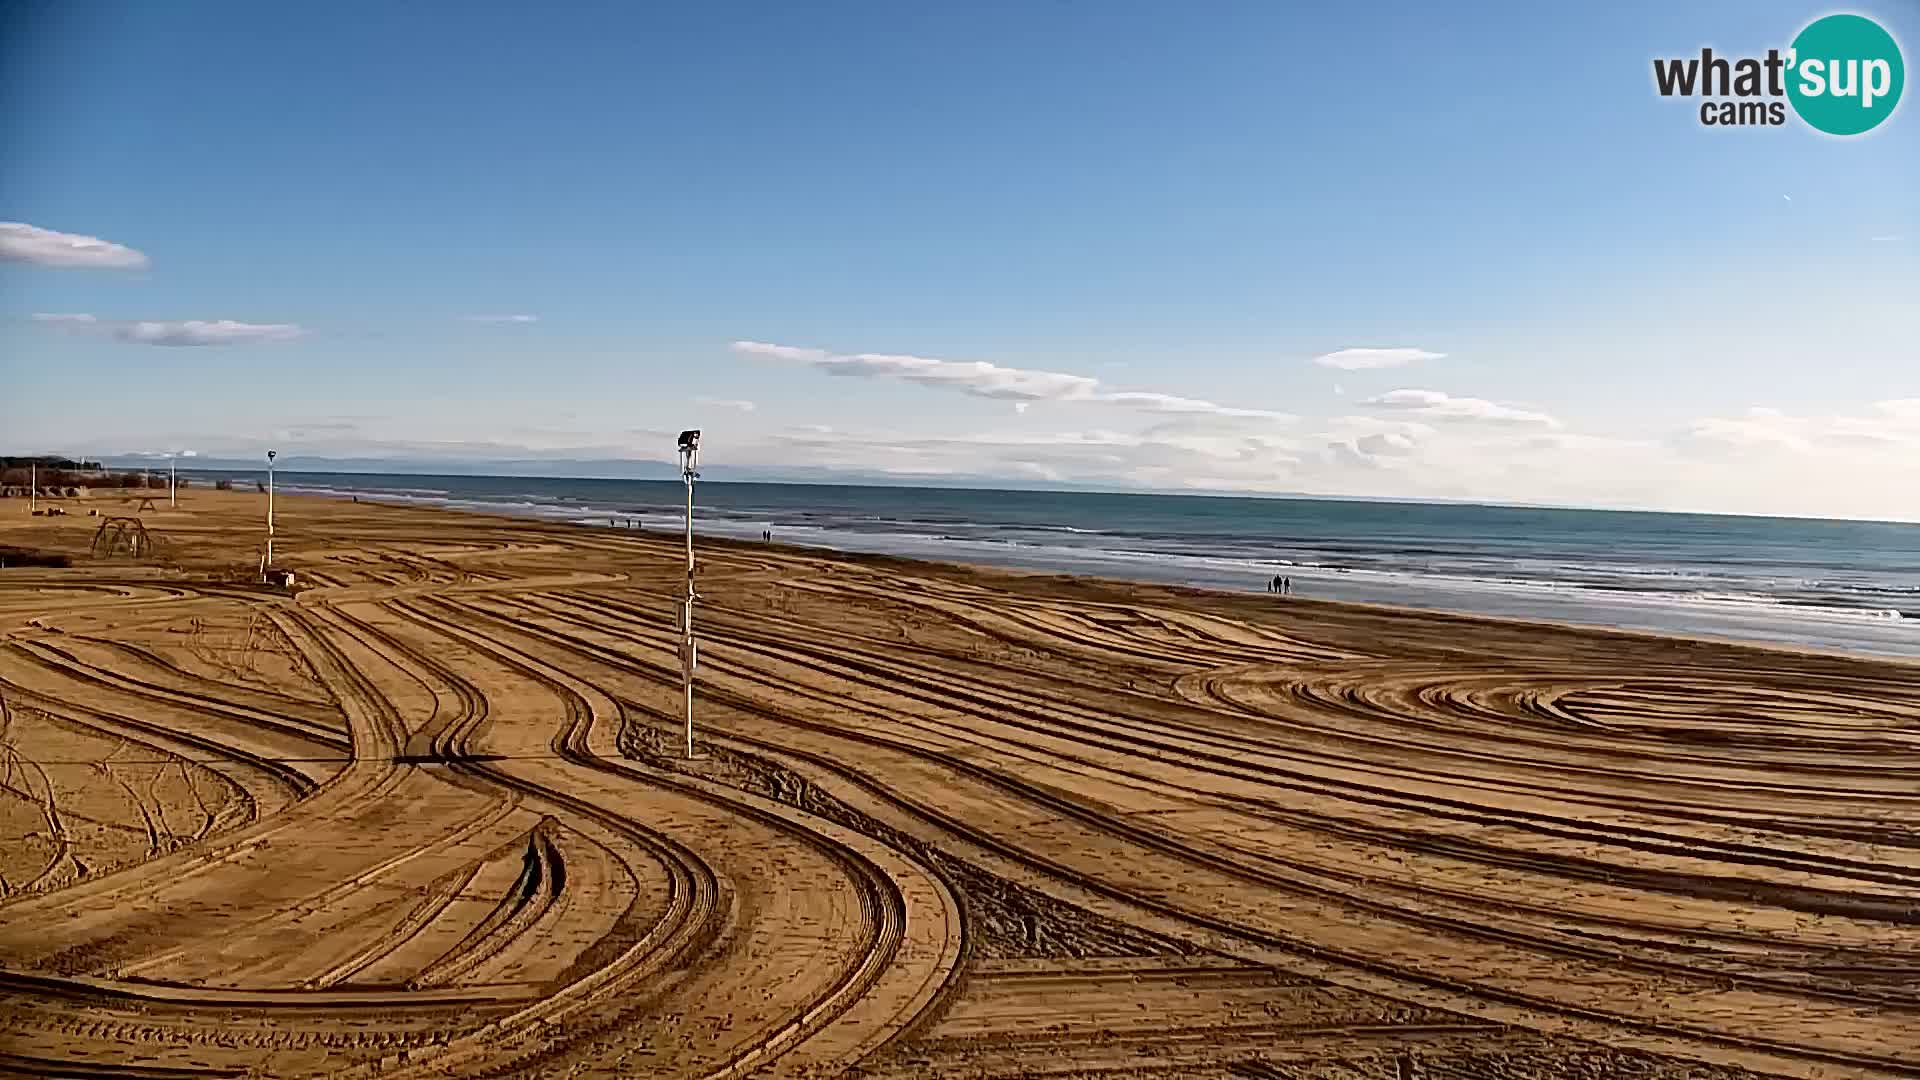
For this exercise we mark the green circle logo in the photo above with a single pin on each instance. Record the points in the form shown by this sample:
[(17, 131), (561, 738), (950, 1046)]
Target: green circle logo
[(1846, 75)]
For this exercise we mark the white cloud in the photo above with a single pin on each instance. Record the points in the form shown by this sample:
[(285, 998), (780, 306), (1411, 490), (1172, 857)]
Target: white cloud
[(1888, 426), (194, 332), (1390, 443), (1864, 463), (726, 403), (1171, 403), (503, 318), (981, 379), (1580, 442), (1434, 404), (779, 352), (188, 332), (1360, 426), (1367, 359), (1097, 456), (975, 377), (20, 242)]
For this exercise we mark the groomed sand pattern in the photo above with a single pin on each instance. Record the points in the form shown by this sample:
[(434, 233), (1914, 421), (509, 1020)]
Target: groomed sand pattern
[(427, 817)]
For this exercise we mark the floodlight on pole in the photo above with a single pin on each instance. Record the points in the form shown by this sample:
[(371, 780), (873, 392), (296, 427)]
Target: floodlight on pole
[(689, 652), (271, 454)]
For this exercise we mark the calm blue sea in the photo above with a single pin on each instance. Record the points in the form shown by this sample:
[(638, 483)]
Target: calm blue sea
[(1837, 584)]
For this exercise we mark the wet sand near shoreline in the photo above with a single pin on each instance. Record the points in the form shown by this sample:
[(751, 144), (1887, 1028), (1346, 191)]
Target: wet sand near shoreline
[(428, 815)]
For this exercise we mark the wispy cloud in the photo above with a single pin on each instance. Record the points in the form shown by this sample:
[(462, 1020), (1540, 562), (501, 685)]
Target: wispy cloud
[(1390, 443), (1887, 426), (502, 318), (303, 429), (24, 243), (735, 404), (1367, 359), (974, 377), (182, 333), (1435, 405), (981, 379), (1173, 403), (194, 332)]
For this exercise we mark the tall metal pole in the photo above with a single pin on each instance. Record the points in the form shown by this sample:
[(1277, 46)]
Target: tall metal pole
[(173, 498), (270, 456), (686, 620), (33, 487), (689, 470)]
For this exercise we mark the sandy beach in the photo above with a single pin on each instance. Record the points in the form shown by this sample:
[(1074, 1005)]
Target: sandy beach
[(428, 815)]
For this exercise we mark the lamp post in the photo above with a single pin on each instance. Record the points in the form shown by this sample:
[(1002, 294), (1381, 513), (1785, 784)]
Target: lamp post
[(270, 456), (689, 471), (173, 497)]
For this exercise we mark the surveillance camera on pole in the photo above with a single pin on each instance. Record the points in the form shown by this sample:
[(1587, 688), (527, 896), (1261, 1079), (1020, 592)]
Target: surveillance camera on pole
[(689, 471)]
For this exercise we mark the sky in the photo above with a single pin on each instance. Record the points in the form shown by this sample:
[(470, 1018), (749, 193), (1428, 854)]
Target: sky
[(1384, 249)]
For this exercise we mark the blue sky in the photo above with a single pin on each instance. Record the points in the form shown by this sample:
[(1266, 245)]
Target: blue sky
[(1607, 303)]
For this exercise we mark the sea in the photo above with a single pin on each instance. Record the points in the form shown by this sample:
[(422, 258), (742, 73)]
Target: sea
[(1851, 586)]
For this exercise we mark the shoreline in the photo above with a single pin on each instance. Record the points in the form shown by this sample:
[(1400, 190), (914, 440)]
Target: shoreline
[(1460, 615), (1676, 592), (1243, 601)]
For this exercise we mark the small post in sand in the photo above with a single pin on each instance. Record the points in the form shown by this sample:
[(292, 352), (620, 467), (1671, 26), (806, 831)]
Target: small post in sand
[(689, 470)]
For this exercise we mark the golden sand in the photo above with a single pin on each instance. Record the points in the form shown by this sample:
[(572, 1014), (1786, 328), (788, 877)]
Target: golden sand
[(426, 816)]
